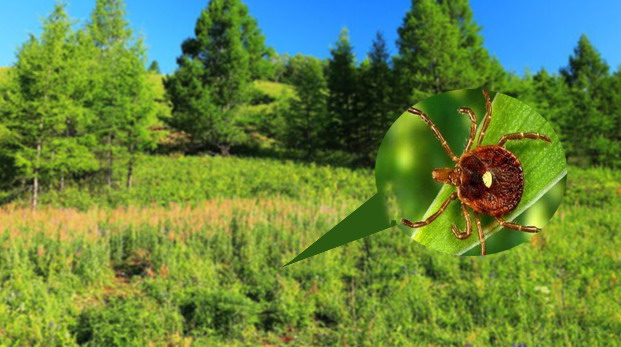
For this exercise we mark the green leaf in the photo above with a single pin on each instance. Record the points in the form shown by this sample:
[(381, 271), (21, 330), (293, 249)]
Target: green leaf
[(543, 163), (544, 168)]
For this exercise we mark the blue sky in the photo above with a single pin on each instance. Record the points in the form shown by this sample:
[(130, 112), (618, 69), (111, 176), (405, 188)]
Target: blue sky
[(522, 34)]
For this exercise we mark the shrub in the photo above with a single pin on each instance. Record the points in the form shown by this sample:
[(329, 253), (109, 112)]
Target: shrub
[(126, 321)]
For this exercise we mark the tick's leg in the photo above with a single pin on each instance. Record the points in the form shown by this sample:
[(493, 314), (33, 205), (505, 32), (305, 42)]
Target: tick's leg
[(473, 126), (433, 216), (525, 228), (436, 132), (521, 136), (488, 117), (463, 235), (481, 235)]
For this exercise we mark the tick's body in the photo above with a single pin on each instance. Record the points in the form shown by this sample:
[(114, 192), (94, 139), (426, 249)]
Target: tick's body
[(489, 179), (504, 188)]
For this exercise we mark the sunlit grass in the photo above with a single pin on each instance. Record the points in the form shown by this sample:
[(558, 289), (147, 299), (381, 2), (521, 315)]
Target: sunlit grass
[(209, 271)]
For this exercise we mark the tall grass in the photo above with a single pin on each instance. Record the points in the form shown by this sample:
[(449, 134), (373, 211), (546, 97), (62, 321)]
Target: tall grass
[(194, 254)]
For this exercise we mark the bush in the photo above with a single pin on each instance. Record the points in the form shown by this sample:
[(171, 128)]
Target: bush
[(215, 311), (126, 321)]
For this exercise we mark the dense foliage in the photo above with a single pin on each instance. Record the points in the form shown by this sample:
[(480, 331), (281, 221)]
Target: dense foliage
[(214, 75), (440, 49), (210, 272), (232, 93), (76, 102)]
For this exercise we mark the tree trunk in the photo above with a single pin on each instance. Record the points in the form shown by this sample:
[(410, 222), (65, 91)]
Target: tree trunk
[(61, 183), (35, 180), (35, 190), (110, 161), (130, 166), (130, 174)]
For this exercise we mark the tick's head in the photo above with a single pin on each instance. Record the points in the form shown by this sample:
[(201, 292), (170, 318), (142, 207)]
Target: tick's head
[(447, 175)]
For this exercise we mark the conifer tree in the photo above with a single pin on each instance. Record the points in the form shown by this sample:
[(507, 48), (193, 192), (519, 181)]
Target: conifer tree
[(440, 49), (613, 99), (553, 101), (44, 105), (214, 74), (124, 101), (430, 57), (306, 118), (154, 67), (342, 108), (485, 70), (587, 70), (375, 100), (587, 77), (76, 143), (140, 111)]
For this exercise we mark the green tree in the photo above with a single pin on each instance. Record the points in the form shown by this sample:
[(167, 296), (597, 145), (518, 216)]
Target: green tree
[(253, 41), (124, 101), (486, 70), (306, 118), (553, 100), (154, 67), (613, 100), (518, 87), (587, 76), (43, 105), (587, 70), (341, 78), (141, 109), (214, 74), (375, 101), (439, 50), (76, 142), (280, 63)]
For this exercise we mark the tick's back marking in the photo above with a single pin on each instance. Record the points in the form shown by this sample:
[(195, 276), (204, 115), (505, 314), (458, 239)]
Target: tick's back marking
[(487, 179)]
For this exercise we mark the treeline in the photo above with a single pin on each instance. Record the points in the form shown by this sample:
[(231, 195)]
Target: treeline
[(78, 104), (342, 109)]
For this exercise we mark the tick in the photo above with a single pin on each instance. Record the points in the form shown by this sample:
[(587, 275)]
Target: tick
[(489, 179)]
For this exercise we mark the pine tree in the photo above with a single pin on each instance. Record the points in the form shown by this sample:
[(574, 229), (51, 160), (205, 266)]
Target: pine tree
[(154, 67), (440, 50), (214, 74), (42, 105), (496, 78), (76, 143), (587, 70), (110, 35), (140, 112), (587, 77), (486, 70), (259, 55), (341, 78), (613, 99), (375, 100), (306, 118), (553, 100), (519, 87), (123, 100)]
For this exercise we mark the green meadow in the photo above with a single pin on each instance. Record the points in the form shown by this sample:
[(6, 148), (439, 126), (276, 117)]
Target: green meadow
[(194, 255)]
